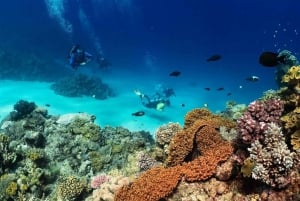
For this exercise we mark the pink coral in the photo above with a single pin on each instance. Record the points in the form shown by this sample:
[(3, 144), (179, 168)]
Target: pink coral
[(98, 180), (254, 121)]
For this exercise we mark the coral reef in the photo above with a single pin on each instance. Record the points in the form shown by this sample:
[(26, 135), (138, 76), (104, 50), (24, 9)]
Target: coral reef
[(37, 149), (82, 85), (254, 121), (145, 162), (106, 191), (195, 153), (98, 180), (272, 158), (295, 140), (21, 109), (70, 189)]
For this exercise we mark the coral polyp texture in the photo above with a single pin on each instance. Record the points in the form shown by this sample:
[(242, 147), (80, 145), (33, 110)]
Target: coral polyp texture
[(254, 121), (195, 153), (272, 158)]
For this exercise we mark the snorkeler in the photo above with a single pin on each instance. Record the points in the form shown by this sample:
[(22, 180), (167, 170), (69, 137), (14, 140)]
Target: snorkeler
[(157, 101), (79, 57)]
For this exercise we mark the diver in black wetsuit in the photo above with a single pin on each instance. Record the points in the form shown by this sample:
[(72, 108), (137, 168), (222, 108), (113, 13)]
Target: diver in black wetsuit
[(78, 57)]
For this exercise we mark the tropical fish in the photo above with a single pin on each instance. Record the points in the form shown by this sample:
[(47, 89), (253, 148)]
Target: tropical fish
[(220, 88), (270, 59), (214, 57), (138, 113), (175, 73), (252, 78)]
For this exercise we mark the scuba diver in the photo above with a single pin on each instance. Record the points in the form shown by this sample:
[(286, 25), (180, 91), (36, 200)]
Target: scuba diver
[(158, 101), (79, 57), (102, 62)]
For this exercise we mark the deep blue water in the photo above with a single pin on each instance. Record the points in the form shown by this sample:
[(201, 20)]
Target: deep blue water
[(153, 38)]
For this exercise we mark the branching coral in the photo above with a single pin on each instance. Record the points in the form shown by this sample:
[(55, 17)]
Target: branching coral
[(254, 121), (273, 160)]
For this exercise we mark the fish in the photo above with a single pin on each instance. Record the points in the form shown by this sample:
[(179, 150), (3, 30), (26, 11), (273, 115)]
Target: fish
[(214, 57), (175, 73), (182, 104), (220, 88), (207, 88), (47, 105), (270, 59), (138, 113), (229, 94), (252, 78)]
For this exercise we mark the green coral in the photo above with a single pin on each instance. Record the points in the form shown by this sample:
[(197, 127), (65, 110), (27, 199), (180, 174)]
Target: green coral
[(35, 154), (8, 187), (11, 189), (98, 160), (89, 130), (70, 189)]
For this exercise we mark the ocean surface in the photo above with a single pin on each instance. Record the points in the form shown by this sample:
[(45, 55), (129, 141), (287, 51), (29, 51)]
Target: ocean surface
[(144, 41)]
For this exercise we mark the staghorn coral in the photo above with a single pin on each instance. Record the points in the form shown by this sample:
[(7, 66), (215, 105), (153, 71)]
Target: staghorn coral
[(254, 121), (273, 160)]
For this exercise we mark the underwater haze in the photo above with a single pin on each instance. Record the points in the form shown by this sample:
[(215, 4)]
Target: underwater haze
[(147, 40), (147, 100)]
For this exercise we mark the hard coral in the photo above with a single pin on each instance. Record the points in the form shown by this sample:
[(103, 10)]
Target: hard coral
[(152, 185), (21, 109), (295, 140), (273, 160), (292, 77), (194, 155), (254, 121)]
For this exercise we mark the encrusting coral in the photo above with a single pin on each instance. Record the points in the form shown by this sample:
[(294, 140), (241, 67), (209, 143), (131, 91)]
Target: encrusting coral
[(195, 153)]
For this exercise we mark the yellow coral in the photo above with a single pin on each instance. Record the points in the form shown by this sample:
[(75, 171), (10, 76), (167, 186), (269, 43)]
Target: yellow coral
[(292, 76), (247, 167), (11, 189), (70, 188), (295, 140)]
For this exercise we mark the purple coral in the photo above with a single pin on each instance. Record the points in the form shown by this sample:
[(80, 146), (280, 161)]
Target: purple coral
[(273, 160), (145, 162), (98, 180), (254, 121)]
